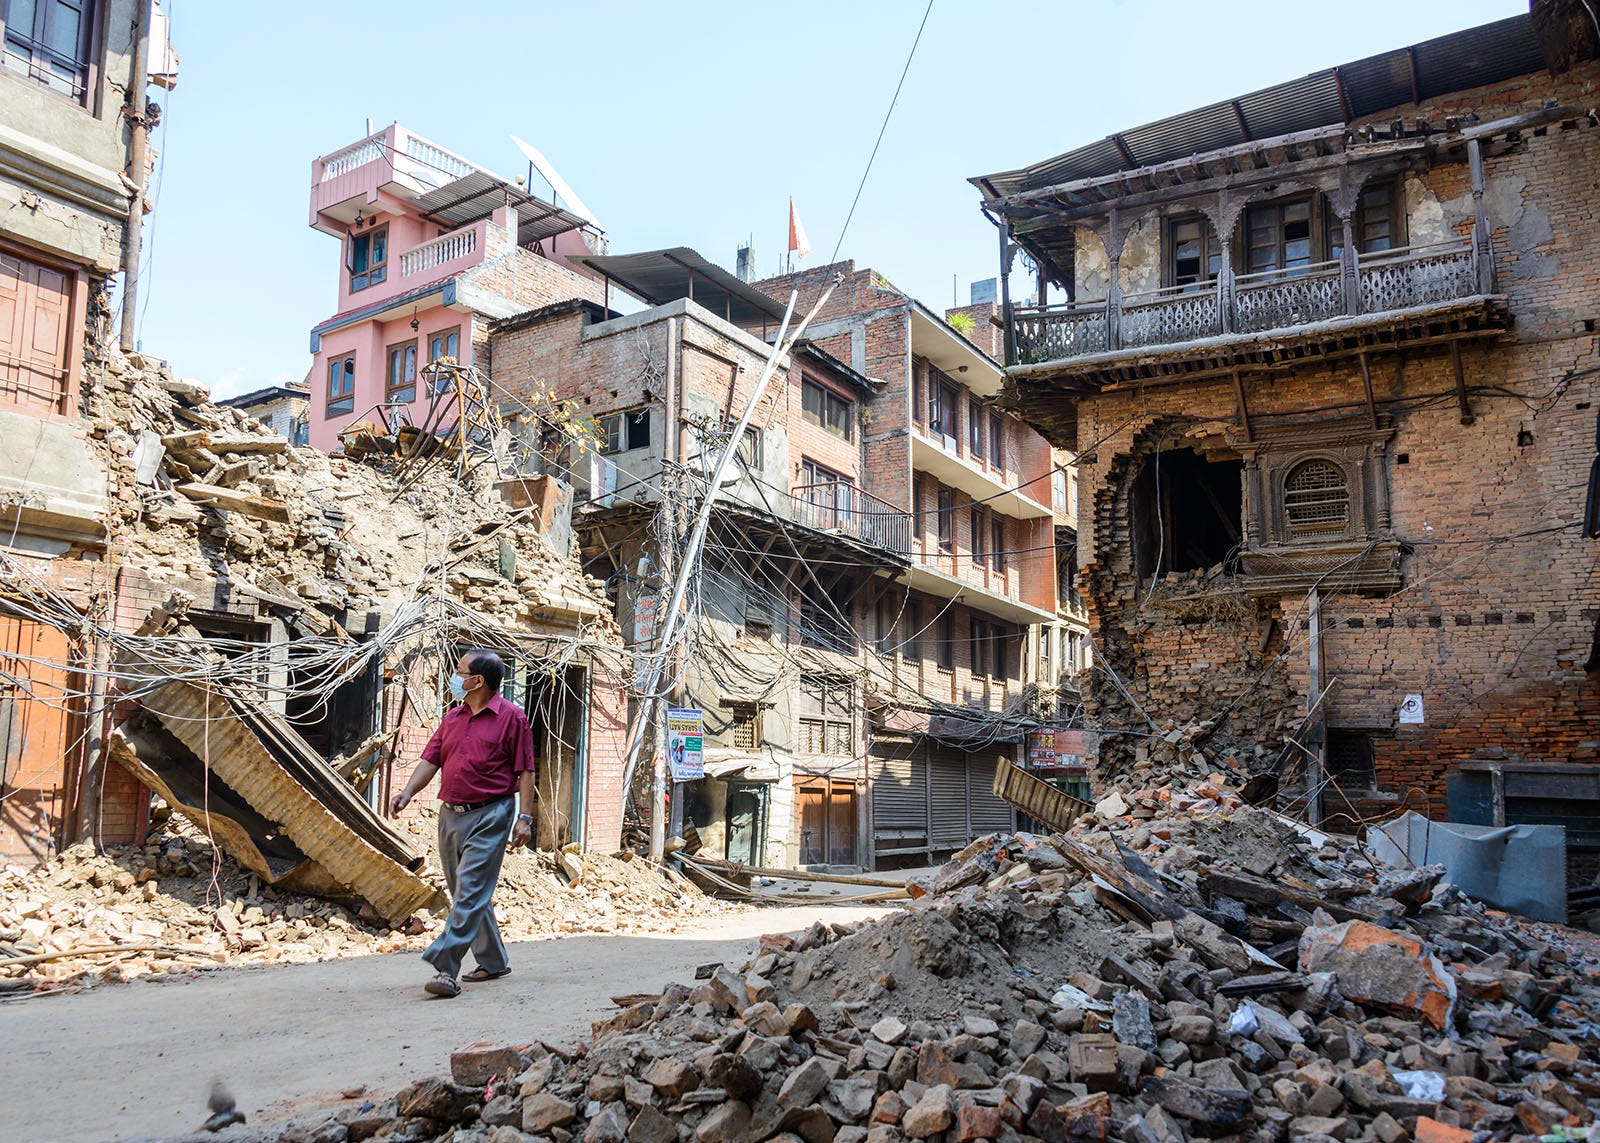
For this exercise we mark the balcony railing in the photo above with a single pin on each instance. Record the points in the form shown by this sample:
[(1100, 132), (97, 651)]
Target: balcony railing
[(836, 506), (445, 248), (356, 155), (1379, 282)]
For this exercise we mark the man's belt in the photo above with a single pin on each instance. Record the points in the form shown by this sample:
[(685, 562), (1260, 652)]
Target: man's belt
[(468, 807)]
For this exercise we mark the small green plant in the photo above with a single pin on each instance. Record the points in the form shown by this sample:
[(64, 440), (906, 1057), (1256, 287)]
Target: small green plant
[(962, 323)]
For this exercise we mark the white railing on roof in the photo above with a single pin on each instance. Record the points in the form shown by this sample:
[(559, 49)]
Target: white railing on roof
[(358, 155), (445, 248), (434, 156)]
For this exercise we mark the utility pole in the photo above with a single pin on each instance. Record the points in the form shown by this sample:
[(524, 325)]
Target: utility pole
[(1319, 743), (653, 711), (139, 125)]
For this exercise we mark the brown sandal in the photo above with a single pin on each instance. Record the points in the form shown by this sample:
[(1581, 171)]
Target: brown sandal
[(479, 975)]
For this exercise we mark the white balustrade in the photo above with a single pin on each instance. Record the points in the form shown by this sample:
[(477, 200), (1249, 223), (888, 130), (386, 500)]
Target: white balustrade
[(350, 158), (445, 248)]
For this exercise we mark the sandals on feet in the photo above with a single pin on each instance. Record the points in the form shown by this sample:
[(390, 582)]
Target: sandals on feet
[(480, 974), (442, 986)]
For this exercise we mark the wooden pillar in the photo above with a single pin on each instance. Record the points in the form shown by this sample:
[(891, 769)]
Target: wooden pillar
[(1482, 243), (1006, 315), (1225, 290), (1350, 278), (1114, 305)]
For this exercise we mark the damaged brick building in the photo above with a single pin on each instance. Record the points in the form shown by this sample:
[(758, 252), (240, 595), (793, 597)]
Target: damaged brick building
[(1327, 352)]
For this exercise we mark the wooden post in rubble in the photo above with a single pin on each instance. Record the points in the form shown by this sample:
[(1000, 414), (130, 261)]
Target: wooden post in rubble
[(1318, 747)]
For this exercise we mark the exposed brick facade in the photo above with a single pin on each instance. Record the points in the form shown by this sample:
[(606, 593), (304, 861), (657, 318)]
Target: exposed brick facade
[(1495, 619)]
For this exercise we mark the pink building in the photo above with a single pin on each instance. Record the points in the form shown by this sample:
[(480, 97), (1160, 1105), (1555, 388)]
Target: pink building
[(434, 248)]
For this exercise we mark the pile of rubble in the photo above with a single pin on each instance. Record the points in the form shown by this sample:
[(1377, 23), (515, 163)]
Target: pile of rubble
[(179, 905), (1202, 970)]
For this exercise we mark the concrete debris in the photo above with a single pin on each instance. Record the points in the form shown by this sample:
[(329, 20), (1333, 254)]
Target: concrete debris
[(179, 905), (1081, 1000)]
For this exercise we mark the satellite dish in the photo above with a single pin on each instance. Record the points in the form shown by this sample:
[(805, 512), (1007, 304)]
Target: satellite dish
[(557, 183)]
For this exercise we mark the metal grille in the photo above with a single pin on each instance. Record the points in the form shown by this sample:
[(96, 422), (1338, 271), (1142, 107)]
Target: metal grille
[(746, 727), (1315, 497)]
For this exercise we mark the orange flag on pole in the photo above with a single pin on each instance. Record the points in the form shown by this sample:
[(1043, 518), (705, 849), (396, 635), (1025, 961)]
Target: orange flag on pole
[(799, 244)]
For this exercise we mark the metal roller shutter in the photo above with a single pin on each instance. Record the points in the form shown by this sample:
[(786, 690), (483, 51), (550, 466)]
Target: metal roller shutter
[(949, 824), (899, 773), (989, 813)]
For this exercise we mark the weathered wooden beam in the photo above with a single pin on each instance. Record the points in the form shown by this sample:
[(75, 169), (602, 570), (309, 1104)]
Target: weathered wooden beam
[(216, 496), (1366, 383), (1461, 384), (1244, 410)]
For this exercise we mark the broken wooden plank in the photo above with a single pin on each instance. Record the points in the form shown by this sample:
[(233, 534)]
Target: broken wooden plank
[(1245, 887), (190, 439), (216, 496), (251, 443)]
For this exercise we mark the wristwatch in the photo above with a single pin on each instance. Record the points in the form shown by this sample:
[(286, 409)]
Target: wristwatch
[(524, 817)]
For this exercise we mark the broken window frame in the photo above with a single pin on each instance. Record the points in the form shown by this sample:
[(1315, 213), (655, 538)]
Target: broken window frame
[(621, 431), (341, 392), (1208, 256), (367, 258), (400, 376), (1267, 229), (1379, 221)]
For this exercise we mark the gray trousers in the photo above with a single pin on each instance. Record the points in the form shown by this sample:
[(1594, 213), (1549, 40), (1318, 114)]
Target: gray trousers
[(471, 848)]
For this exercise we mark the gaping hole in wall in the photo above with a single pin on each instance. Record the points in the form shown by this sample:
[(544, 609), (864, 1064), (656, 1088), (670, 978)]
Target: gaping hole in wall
[(1186, 511), (344, 717), (556, 703)]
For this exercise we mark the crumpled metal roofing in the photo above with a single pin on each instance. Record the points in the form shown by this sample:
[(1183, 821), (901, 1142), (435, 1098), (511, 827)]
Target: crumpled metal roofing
[(1475, 57)]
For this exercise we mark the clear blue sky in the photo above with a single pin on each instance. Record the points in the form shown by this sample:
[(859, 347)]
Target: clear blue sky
[(686, 123)]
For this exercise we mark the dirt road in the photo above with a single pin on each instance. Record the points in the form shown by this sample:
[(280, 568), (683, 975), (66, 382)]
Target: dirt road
[(134, 1061)]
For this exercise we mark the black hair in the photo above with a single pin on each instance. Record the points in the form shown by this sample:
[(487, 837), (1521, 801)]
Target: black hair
[(489, 665)]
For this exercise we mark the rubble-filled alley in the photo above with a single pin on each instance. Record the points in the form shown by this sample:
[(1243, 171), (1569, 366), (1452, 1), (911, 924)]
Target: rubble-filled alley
[(1194, 968)]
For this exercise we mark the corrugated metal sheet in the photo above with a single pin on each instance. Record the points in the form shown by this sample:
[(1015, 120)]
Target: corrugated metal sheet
[(309, 804), (899, 771), (1472, 58)]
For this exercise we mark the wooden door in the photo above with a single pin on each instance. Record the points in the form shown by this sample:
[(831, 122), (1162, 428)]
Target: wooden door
[(38, 731), (34, 308), (842, 824), (811, 803)]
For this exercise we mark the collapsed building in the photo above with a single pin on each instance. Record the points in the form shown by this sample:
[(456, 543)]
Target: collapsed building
[(1327, 355), (196, 606)]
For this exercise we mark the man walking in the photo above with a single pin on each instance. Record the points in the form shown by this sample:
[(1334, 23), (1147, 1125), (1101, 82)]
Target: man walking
[(484, 747)]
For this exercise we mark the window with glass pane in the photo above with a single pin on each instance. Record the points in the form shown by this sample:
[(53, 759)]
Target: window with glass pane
[(1279, 236), (997, 549), (942, 398), (825, 408), (445, 343), (48, 41), (975, 429), (341, 386), (946, 523), (997, 440), (980, 648), (946, 650), (1194, 256), (401, 383), (1000, 658), (610, 434), (1376, 224), (369, 258), (980, 538)]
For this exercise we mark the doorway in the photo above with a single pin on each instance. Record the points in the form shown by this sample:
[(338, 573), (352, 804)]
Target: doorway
[(827, 811), (747, 822)]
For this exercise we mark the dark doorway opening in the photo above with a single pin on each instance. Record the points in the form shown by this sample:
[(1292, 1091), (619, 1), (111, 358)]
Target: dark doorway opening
[(1187, 510), (747, 822), (346, 717)]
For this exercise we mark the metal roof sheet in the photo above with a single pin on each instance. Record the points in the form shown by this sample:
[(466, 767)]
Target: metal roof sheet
[(478, 195), (1472, 58), (661, 276)]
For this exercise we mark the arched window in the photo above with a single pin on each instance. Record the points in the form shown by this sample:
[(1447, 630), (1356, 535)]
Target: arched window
[(1316, 498)]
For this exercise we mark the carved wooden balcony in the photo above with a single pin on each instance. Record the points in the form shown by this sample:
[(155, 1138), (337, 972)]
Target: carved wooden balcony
[(1380, 283)]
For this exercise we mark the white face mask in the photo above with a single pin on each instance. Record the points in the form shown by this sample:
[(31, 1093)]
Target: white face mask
[(458, 687)]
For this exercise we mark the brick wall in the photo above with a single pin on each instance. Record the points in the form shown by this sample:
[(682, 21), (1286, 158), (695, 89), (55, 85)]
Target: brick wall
[(1497, 614)]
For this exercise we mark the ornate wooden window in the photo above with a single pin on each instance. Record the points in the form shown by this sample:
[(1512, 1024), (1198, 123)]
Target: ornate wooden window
[(744, 726), (1316, 498), (1279, 235), (1379, 223), (1194, 253)]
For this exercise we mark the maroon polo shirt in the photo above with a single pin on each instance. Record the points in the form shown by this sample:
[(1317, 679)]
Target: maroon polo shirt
[(480, 755)]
